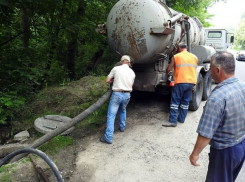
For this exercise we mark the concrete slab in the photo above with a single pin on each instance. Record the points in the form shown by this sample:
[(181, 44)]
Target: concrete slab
[(49, 123)]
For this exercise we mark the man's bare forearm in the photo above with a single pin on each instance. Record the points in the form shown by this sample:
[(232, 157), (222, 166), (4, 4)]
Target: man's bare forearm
[(109, 80), (201, 143)]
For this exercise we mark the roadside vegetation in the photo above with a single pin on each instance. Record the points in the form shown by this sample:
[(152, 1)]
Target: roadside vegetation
[(50, 49), (240, 35), (6, 172), (69, 100)]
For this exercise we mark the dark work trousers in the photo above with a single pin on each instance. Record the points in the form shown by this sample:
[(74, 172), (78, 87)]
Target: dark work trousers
[(225, 164), (181, 96)]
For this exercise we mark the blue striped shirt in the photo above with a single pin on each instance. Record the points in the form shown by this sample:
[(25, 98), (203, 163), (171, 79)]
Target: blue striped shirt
[(223, 118)]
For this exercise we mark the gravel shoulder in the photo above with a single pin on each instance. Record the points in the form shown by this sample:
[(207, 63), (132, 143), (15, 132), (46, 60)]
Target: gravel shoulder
[(146, 151)]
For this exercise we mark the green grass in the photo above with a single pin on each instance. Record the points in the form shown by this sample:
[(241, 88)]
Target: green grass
[(94, 120), (6, 171), (53, 146)]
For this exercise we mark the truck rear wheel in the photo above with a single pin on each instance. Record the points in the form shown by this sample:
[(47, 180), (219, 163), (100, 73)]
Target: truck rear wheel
[(207, 85), (196, 94)]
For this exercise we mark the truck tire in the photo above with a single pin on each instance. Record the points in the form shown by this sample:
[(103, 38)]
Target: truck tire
[(207, 85), (196, 94)]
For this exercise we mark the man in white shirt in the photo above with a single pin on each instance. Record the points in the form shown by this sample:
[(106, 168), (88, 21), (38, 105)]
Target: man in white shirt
[(122, 78)]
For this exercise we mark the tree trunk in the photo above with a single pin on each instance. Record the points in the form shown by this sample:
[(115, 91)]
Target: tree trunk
[(74, 121), (53, 43), (72, 44), (25, 26), (94, 61), (71, 54)]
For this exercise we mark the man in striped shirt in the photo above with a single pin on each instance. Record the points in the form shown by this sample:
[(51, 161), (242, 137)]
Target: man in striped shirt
[(222, 123)]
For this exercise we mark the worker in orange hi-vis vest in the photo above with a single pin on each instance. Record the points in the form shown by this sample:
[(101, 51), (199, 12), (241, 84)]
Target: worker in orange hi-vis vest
[(185, 65)]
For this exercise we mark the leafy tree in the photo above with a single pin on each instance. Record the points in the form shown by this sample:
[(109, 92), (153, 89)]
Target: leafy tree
[(8, 103), (240, 34), (193, 8), (45, 42)]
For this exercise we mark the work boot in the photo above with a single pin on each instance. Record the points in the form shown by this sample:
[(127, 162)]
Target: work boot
[(168, 124), (102, 139), (121, 130), (180, 121)]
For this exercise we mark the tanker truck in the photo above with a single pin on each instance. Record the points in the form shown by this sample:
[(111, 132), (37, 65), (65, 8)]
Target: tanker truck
[(149, 31)]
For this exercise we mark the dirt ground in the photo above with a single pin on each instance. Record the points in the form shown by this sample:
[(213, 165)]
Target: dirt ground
[(145, 152)]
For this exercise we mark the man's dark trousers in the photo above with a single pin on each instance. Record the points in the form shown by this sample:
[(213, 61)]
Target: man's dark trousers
[(181, 96), (225, 164)]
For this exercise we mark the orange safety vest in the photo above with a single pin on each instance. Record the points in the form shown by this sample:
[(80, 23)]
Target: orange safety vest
[(185, 65)]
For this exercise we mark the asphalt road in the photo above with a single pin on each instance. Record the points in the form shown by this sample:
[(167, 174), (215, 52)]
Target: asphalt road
[(240, 67), (240, 70)]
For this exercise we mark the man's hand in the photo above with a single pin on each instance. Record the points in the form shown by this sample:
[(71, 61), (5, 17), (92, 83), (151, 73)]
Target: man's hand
[(193, 159), (112, 80), (201, 143)]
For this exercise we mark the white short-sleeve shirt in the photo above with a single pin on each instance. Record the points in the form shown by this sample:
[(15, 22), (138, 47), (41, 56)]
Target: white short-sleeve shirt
[(123, 78)]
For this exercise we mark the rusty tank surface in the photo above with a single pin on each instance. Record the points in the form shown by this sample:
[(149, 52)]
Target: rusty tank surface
[(149, 31), (145, 28)]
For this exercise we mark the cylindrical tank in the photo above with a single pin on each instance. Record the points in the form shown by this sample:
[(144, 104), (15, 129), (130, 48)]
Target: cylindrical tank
[(129, 26), (203, 53), (128, 29), (194, 32)]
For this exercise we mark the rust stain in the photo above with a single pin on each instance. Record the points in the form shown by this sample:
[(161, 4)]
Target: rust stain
[(116, 20), (126, 37), (134, 51)]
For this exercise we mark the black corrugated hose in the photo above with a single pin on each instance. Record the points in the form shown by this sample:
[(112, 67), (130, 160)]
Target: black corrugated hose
[(40, 154)]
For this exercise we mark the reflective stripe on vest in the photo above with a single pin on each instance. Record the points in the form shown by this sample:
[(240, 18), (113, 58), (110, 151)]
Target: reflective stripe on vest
[(185, 65), (192, 65)]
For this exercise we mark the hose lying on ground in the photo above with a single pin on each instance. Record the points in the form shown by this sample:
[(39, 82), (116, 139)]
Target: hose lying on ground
[(40, 154), (74, 121)]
